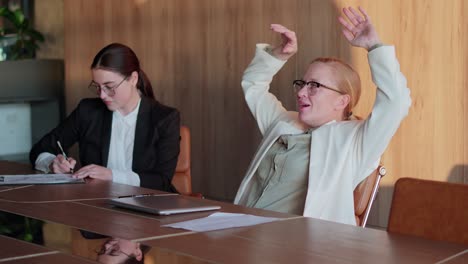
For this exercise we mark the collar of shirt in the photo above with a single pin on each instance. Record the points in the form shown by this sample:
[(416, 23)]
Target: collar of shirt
[(129, 119)]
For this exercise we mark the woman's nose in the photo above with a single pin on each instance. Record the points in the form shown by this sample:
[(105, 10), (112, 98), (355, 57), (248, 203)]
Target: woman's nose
[(102, 94), (302, 92)]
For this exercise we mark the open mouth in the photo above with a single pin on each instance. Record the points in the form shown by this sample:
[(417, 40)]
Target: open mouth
[(303, 106)]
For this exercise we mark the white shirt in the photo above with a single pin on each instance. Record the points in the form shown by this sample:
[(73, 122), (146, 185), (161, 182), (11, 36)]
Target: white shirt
[(120, 151)]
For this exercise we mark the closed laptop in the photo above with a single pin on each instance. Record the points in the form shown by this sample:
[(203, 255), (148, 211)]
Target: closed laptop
[(164, 204)]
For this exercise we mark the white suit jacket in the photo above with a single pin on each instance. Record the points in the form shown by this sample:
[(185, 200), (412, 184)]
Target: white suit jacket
[(342, 153)]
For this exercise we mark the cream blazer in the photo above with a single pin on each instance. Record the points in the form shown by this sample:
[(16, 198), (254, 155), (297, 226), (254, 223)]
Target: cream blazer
[(342, 153)]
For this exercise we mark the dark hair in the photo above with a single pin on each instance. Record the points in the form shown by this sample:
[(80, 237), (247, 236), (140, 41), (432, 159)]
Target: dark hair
[(121, 59)]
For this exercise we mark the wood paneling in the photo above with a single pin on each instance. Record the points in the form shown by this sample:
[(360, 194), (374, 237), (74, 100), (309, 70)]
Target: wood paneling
[(48, 20), (195, 52)]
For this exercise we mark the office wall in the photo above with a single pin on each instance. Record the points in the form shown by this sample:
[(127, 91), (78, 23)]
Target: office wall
[(195, 52), (48, 19)]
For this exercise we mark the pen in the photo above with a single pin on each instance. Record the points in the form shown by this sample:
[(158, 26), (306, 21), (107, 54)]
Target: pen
[(63, 153), (136, 195)]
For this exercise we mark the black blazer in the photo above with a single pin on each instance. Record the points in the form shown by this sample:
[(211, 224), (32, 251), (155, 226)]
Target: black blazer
[(156, 146)]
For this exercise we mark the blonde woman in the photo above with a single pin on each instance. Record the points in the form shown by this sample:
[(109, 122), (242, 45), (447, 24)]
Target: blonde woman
[(310, 161)]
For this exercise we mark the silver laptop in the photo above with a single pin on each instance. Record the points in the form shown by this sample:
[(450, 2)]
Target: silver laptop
[(164, 204)]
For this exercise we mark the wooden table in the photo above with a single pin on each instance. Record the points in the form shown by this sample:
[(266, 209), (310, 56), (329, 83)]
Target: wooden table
[(460, 258), (304, 240), (57, 258), (293, 239), (11, 248)]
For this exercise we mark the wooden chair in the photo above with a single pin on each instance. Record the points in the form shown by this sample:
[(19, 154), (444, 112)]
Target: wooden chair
[(430, 209), (182, 179), (364, 195)]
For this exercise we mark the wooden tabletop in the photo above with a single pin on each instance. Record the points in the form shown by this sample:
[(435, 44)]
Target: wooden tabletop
[(293, 239), (11, 248), (92, 189), (13, 168), (85, 206), (460, 258), (304, 240), (57, 258)]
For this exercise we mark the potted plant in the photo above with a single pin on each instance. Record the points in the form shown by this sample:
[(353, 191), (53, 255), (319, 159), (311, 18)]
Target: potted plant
[(20, 40), (30, 87)]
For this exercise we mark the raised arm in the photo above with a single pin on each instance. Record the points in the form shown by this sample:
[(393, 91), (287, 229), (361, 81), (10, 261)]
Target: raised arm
[(392, 98), (268, 60)]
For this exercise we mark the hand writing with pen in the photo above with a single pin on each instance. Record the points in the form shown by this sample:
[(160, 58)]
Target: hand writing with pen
[(61, 164), (64, 164)]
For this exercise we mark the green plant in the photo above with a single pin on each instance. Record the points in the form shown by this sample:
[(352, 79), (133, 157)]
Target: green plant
[(21, 227), (27, 38)]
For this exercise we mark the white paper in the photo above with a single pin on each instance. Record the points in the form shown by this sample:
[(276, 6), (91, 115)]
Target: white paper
[(38, 179), (221, 221)]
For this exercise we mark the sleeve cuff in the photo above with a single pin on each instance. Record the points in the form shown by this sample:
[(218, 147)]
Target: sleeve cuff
[(43, 162), (375, 47), (265, 51)]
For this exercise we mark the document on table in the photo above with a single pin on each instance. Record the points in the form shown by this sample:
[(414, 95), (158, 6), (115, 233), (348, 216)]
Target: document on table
[(221, 221), (38, 179)]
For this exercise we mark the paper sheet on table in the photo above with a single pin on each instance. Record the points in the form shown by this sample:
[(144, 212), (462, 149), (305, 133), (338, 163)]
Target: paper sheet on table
[(221, 221), (38, 179)]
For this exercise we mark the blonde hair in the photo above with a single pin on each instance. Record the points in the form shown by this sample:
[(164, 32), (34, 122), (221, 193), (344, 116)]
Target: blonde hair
[(348, 81)]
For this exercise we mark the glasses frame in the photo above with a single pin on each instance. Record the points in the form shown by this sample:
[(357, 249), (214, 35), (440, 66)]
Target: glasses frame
[(110, 91), (299, 84), (113, 251)]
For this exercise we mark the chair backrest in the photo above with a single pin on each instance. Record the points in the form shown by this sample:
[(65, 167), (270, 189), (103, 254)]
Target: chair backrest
[(430, 209), (364, 195), (182, 179)]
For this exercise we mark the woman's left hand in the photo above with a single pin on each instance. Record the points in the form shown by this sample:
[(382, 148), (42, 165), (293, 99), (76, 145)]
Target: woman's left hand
[(359, 30), (94, 171)]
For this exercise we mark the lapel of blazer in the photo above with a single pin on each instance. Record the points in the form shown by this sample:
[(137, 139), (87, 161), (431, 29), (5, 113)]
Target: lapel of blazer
[(142, 133), (106, 136)]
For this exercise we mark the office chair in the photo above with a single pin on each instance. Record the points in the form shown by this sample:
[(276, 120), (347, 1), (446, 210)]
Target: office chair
[(364, 195), (430, 209), (182, 179)]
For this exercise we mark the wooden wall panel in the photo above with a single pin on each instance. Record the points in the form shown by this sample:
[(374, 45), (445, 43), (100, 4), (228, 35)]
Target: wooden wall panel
[(195, 52), (48, 20)]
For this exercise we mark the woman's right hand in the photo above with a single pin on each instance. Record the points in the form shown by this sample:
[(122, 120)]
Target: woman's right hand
[(62, 165), (288, 46)]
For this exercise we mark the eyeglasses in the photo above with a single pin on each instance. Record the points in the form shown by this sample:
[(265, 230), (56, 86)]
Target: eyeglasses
[(110, 91), (112, 250), (312, 87)]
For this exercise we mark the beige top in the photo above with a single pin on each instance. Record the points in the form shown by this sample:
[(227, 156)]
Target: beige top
[(280, 182)]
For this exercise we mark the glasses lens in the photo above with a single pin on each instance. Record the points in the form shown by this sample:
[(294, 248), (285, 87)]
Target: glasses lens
[(298, 85), (314, 84), (94, 88)]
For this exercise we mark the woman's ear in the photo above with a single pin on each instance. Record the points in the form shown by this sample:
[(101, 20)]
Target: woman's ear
[(134, 78), (342, 102)]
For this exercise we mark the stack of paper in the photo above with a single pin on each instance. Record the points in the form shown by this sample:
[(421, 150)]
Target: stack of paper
[(221, 221), (38, 179)]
